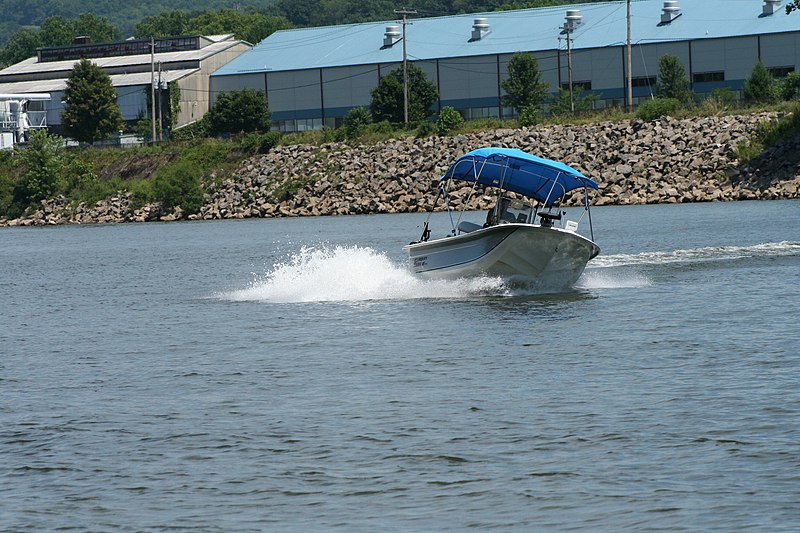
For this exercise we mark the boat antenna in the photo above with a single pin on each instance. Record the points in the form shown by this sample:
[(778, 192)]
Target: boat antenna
[(426, 232), (588, 211)]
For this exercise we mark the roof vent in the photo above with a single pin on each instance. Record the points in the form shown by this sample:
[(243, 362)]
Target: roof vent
[(770, 7), (670, 12), (573, 19), (391, 35), (480, 27)]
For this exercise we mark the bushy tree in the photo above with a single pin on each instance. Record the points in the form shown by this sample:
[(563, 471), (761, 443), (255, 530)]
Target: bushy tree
[(91, 111), (387, 98), (524, 86), (760, 86), (20, 46), (60, 31), (530, 115), (658, 107), (449, 119), (168, 23), (249, 26), (56, 31), (239, 111), (179, 185), (793, 5), (356, 122), (44, 160), (788, 87), (672, 80), (562, 105)]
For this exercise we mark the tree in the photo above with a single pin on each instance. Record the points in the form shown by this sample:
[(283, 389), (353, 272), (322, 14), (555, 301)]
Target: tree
[(388, 102), (672, 80), (562, 105), (55, 31), (44, 160), (250, 27), (20, 46), (244, 110), (760, 86), (524, 86), (788, 87), (449, 119), (793, 5), (168, 23), (356, 122), (91, 111), (60, 31)]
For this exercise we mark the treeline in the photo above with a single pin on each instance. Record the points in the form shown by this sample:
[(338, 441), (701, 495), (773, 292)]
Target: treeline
[(30, 24)]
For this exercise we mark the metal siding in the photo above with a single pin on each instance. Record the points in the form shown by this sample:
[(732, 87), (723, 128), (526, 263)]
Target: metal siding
[(468, 78), (781, 50), (605, 68), (736, 57), (221, 84), (348, 87), (645, 58), (294, 90)]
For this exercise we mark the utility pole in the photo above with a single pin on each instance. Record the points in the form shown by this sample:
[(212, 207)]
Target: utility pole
[(630, 74), (405, 61), (153, 86), (567, 29), (160, 107)]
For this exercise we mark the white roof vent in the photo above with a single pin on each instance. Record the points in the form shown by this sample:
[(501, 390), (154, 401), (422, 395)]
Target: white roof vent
[(391, 35), (670, 12), (573, 19), (770, 7), (480, 27)]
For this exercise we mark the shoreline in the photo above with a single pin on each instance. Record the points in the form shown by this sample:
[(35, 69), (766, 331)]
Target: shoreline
[(635, 162)]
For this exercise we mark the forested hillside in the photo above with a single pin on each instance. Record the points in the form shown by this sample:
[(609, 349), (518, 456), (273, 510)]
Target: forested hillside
[(123, 15)]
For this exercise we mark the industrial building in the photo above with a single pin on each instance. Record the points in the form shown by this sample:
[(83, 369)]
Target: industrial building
[(188, 61), (314, 76)]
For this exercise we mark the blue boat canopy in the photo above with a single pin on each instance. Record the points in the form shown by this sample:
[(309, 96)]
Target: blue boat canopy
[(514, 170)]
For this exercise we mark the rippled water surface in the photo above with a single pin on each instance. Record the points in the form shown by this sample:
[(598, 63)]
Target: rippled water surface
[(291, 375)]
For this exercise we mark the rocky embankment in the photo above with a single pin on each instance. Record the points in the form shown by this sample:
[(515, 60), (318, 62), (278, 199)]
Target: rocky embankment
[(635, 162)]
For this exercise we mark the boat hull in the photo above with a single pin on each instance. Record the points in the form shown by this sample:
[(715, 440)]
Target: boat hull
[(548, 258)]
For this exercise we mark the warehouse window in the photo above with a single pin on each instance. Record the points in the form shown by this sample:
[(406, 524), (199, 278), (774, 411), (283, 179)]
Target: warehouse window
[(705, 77), (644, 81), (474, 113), (780, 72), (578, 86)]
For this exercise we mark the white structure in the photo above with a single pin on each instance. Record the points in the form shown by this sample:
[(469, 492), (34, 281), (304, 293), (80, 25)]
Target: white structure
[(20, 113), (188, 61)]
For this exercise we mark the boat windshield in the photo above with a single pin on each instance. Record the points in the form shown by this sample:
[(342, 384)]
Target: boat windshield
[(510, 210)]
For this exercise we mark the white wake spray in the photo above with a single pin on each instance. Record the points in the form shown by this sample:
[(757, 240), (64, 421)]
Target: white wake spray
[(342, 273)]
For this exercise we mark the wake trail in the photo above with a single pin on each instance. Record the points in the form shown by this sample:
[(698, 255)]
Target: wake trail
[(697, 255)]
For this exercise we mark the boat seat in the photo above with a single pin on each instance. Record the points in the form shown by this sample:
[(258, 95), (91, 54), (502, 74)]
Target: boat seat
[(466, 227)]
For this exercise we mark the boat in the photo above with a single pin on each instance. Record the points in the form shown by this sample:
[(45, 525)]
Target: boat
[(526, 237)]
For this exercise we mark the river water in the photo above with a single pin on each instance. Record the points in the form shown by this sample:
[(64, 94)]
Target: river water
[(291, 375)]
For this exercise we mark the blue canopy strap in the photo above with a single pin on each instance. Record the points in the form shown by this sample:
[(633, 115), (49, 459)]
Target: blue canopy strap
[(514, 170)]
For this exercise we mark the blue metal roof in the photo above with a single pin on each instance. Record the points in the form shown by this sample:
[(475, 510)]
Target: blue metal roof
[(604, 24), (518, 171)]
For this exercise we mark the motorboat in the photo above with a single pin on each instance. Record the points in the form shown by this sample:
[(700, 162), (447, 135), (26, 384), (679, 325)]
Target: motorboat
[(526, 237)]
